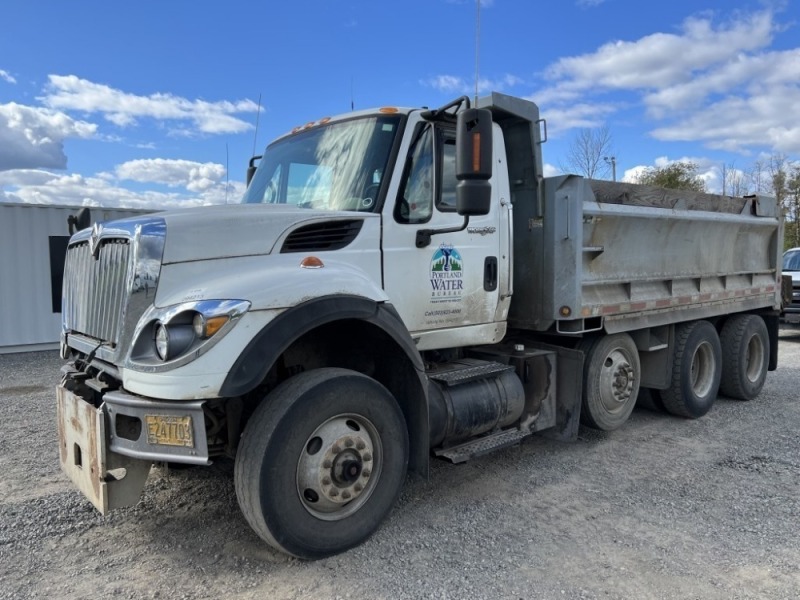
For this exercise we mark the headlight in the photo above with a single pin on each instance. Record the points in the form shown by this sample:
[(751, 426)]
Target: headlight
[(171, 336), (162, 341), (173, 340)]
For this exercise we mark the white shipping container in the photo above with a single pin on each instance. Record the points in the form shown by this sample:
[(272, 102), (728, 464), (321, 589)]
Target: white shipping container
[(33, 239)]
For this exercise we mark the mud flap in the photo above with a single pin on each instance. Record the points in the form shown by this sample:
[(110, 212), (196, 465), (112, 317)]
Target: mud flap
[(109, 480), (569, 381)]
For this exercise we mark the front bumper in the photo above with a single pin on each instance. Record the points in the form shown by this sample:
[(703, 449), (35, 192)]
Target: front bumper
[(107, 452)]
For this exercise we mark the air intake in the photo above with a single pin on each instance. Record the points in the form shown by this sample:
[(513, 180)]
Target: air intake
[(318, 237)]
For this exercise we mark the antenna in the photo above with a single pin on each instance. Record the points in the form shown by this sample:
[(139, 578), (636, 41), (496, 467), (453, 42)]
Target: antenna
[(258, 114), (477, 44)]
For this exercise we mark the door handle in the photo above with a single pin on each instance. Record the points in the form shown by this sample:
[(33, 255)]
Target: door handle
[(490, 273)]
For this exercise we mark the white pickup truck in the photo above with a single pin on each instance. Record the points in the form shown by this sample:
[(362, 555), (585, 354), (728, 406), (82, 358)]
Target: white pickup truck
[(397, 285)]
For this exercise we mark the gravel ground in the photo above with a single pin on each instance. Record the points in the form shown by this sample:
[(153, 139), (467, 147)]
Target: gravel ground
[(663, 508)]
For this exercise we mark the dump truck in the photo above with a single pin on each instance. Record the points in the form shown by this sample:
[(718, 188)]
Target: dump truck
[(397, 286)]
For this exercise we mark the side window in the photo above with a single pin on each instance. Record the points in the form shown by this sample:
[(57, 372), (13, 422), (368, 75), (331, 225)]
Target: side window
[(446, 201), (415, 200)]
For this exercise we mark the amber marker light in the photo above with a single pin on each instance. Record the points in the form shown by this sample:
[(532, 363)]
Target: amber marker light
[(311, 262), (388, 110), (205, 327), (476, 152), (565, 311)]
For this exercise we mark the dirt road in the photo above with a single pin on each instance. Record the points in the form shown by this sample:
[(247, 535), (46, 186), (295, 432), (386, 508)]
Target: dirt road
[(663, 508)]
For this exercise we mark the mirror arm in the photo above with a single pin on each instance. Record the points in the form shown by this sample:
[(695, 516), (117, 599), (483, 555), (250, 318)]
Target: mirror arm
[(424, 235)]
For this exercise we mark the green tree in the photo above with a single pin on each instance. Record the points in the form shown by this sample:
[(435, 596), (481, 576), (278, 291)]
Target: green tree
[(678, 176)]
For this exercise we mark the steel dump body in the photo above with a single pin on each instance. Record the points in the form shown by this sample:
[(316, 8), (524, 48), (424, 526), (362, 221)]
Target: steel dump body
[(625, 257)]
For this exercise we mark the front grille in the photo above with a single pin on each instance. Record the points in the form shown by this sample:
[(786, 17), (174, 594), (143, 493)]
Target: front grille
[(95, 290)]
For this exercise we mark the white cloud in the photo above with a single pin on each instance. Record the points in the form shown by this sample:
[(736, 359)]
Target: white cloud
[(6, 76), (453, 84), (68, 92), (764, 119), (575, 116), (41, 187), (713, 81), (32, 137), (194, 176)]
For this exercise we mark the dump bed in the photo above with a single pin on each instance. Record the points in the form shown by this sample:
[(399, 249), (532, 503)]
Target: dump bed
[(596, 254)]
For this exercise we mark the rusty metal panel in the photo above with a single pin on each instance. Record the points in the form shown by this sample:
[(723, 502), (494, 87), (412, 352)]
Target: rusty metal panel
[(107, 479)]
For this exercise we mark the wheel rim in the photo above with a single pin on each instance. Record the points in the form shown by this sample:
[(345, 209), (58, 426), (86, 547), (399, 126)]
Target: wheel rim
[(339, 467), (616, 381), (703, 368), (754, 359)]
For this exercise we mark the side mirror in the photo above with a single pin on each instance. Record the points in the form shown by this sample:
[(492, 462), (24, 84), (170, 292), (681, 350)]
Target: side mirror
[(79, 221), (251, 170), (474, 161)]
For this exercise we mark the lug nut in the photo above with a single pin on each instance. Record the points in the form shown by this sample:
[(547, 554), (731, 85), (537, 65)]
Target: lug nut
[(367, 457), (334, 492), (326, 481), (336, 449), (366, 473), (348, 442), (346, 495), (327, 464), (360, 445)]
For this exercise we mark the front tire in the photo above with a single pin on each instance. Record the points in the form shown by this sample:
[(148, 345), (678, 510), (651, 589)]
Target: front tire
[(696, 370), (321, 462), (745, 356), (611, 378)]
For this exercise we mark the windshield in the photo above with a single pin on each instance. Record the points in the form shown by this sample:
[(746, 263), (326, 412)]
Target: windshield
[(791, 260), (332, 167)]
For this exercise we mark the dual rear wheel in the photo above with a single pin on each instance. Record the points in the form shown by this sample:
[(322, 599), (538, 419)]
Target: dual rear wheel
[(704, 363)]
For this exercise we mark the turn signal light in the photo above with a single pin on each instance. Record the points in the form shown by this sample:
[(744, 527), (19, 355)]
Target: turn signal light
[(311, 262)]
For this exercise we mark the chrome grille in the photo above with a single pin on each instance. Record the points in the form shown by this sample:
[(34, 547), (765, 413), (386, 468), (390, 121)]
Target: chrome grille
[(95, 290)]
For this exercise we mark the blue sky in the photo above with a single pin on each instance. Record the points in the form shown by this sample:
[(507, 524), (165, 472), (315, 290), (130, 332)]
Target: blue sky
[(143, 104)]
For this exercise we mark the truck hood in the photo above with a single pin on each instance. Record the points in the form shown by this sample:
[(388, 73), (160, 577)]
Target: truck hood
[(231, 230)]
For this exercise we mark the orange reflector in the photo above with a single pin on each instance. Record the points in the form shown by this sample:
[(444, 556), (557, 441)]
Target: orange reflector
[(565, 311), (214, 324), (389, 110), (324, 120), (311, 262), (476, 151)]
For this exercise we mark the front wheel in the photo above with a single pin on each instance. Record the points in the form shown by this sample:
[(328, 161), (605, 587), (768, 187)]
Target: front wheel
[(321, 462)]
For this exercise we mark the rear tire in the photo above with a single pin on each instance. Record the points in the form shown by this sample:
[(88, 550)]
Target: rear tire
[(696, 370), (321, 462), (745, 356), (611, 377)]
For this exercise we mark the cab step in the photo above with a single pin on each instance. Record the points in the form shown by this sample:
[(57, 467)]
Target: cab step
[(483, 445)]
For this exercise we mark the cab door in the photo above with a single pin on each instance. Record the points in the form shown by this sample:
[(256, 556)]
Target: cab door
[(448, 290)]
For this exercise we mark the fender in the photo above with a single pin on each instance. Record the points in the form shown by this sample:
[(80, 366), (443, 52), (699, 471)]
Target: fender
[(266, 346)]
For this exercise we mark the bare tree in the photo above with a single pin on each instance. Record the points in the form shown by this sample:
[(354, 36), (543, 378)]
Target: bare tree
[(586, 153), (734, 182)]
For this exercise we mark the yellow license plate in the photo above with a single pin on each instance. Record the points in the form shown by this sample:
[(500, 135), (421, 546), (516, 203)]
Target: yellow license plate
[(169, 431)]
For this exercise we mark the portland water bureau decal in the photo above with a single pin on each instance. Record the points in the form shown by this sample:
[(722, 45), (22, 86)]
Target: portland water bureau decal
[(447, 275)]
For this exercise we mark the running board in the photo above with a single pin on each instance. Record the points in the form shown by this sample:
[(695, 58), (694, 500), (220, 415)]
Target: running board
[(483, 445)]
